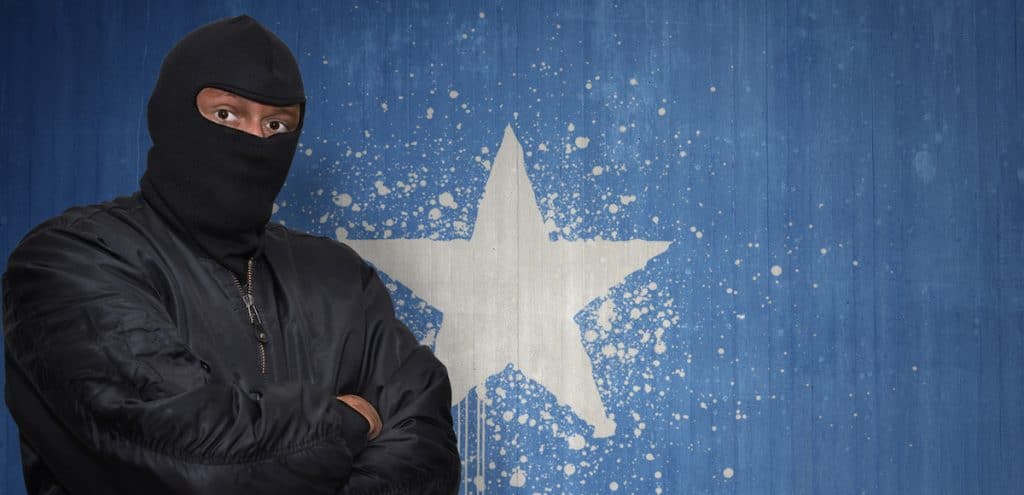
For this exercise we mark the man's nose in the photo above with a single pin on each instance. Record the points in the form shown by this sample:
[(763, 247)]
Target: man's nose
[(251, 126)]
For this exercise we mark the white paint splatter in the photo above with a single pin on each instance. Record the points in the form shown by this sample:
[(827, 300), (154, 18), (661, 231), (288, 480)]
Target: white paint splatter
[(308, 152), (343, 200), (598, 170), (576, 441), (776, 270), (381, 188), (434, 213), (582, 142), (430, 113), (662, 112), (446, 199), (518, 478), (453, 94), (728, 473)]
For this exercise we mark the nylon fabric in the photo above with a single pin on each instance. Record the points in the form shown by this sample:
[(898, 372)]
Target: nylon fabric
[(132, 366)]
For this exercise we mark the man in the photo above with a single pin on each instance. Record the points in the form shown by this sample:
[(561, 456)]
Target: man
[(175, 342)]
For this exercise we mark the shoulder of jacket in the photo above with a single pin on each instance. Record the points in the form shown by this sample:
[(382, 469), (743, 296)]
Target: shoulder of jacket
[(111, 218), (316, 246)]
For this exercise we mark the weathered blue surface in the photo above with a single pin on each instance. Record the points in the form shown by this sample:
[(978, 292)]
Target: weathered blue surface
[(873, 152)]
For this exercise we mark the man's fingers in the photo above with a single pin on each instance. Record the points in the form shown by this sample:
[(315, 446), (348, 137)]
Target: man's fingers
[(367, 410)]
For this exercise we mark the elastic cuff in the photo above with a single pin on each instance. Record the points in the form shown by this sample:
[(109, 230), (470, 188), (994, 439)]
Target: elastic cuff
[(354, 426)]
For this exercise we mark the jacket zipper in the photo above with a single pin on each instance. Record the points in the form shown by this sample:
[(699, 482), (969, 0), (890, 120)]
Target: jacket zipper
[(254, 315)]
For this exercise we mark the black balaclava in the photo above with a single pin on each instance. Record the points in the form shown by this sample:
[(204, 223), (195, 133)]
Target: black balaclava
[(214, 184)]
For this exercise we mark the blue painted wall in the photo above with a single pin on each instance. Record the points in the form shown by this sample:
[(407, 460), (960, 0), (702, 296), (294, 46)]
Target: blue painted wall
[(873, 151)]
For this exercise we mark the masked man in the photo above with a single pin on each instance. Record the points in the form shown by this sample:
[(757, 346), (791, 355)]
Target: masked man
[(174, 341)]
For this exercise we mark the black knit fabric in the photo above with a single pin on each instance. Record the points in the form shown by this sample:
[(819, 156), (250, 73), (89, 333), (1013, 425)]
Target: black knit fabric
[(213, 183)]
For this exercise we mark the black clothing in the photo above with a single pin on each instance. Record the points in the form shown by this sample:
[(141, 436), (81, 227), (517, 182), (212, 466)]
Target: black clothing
[(133, 366), (214, 183)]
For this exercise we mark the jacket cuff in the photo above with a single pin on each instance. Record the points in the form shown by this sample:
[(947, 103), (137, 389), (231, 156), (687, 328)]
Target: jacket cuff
[(354, 427)]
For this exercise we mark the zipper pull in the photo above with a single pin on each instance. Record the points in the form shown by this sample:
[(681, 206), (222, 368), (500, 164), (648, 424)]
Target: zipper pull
[(250, 306)]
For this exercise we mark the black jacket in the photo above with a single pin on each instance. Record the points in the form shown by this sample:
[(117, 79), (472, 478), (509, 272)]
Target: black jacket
[(133, 367)]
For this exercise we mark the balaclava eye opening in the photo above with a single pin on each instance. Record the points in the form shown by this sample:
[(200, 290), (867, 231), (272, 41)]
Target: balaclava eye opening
[(214, 184)]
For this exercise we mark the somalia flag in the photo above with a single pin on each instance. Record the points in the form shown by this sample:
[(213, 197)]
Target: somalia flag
[(662, 246)]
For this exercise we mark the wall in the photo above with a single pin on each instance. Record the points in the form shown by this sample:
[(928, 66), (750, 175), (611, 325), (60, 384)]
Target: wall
[(695, 247)]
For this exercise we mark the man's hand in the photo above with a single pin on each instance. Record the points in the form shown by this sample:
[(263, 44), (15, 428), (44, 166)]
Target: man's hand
[(367, 410)]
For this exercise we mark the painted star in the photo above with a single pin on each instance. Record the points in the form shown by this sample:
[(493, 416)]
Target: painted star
[(509, 293)]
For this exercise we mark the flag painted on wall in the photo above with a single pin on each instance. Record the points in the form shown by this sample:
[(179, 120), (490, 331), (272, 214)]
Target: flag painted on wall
[(662, 247), (637, 283)]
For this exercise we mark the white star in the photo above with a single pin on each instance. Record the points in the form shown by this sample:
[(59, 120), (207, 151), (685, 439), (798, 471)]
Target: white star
[(509, 294)]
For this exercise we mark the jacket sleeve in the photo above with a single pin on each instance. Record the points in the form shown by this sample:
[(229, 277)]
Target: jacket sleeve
[(416, 451), (100, 377)]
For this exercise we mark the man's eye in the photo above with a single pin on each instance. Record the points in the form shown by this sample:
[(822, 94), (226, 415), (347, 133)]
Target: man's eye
[(223, 114), (276, 126)]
